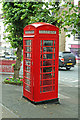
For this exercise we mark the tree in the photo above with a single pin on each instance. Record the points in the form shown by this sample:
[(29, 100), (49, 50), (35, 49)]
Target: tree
[(16, 16), (19, 14), (60, 16)]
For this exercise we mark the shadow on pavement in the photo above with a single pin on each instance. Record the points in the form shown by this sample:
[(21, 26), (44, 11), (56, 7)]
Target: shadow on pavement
[(64, 69)]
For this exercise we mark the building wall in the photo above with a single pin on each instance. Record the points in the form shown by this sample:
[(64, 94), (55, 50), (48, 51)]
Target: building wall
[(65, 42), (3, 44), (62, 41), (69, 41)]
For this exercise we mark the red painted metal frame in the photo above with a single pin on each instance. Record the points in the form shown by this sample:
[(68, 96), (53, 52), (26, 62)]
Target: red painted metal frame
[(27, 93), (35, 94)]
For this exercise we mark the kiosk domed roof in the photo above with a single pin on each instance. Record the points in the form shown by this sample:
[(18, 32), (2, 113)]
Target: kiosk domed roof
[(40, 24)]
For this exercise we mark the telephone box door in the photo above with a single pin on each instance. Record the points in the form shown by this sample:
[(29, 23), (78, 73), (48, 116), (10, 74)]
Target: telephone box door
[(27, 68), (48, 84)]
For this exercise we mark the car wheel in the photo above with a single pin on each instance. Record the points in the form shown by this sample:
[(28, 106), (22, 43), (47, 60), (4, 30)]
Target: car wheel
[(68, 68)]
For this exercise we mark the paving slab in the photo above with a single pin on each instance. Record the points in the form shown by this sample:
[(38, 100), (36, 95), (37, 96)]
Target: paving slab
[(12, 99), (7, 113)]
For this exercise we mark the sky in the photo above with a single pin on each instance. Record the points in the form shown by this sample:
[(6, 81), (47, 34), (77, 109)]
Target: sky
[(76, 2)]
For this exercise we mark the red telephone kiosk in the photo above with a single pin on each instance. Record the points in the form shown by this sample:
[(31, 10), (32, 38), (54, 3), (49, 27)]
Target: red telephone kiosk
[(40, 62)]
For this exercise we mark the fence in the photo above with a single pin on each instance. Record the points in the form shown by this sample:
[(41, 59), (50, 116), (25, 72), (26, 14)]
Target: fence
[(7, 68)]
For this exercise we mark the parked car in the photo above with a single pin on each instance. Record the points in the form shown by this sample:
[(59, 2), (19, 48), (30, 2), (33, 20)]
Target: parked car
[(67, 60), (10, 56), (2, 55), (13, 56)]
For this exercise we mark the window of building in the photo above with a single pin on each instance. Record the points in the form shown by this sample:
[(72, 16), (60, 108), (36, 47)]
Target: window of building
[(77, 37), (0, 38)]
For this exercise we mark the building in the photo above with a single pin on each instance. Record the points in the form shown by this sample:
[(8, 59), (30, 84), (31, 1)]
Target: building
[(4, 45), (73, 43)]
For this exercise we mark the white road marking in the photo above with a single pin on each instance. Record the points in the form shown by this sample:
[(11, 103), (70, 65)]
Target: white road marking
[(76, 86), (75, 81)]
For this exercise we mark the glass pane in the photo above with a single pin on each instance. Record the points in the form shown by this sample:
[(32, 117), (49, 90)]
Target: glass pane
[(54, 42), (28, 62), (41, 42), (27, 81), (47, 49), (41, 76), (28, 55), (44, 56), (53, 74), (41, 50), (47, 42), (25, 55), (54, 55), (40, 89), (27, 75), (47, 69), (28, 42), (46, 89), (47, 76), (27, 87), (44, 49), (47, 56), (28, 49), (53, 62), (27, 69), (41, 70), (53, 69), (53, 82), (54, 49), (47, 63), (47, 82)]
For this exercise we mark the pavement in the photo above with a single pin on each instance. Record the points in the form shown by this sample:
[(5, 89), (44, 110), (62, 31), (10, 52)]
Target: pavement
[(15, 106)]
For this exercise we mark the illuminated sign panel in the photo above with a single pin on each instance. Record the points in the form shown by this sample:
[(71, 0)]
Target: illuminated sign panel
[(47, 32), (29, 32)]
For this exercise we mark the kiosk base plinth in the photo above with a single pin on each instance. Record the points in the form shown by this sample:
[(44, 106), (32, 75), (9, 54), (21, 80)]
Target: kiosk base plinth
[(55, 101)]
